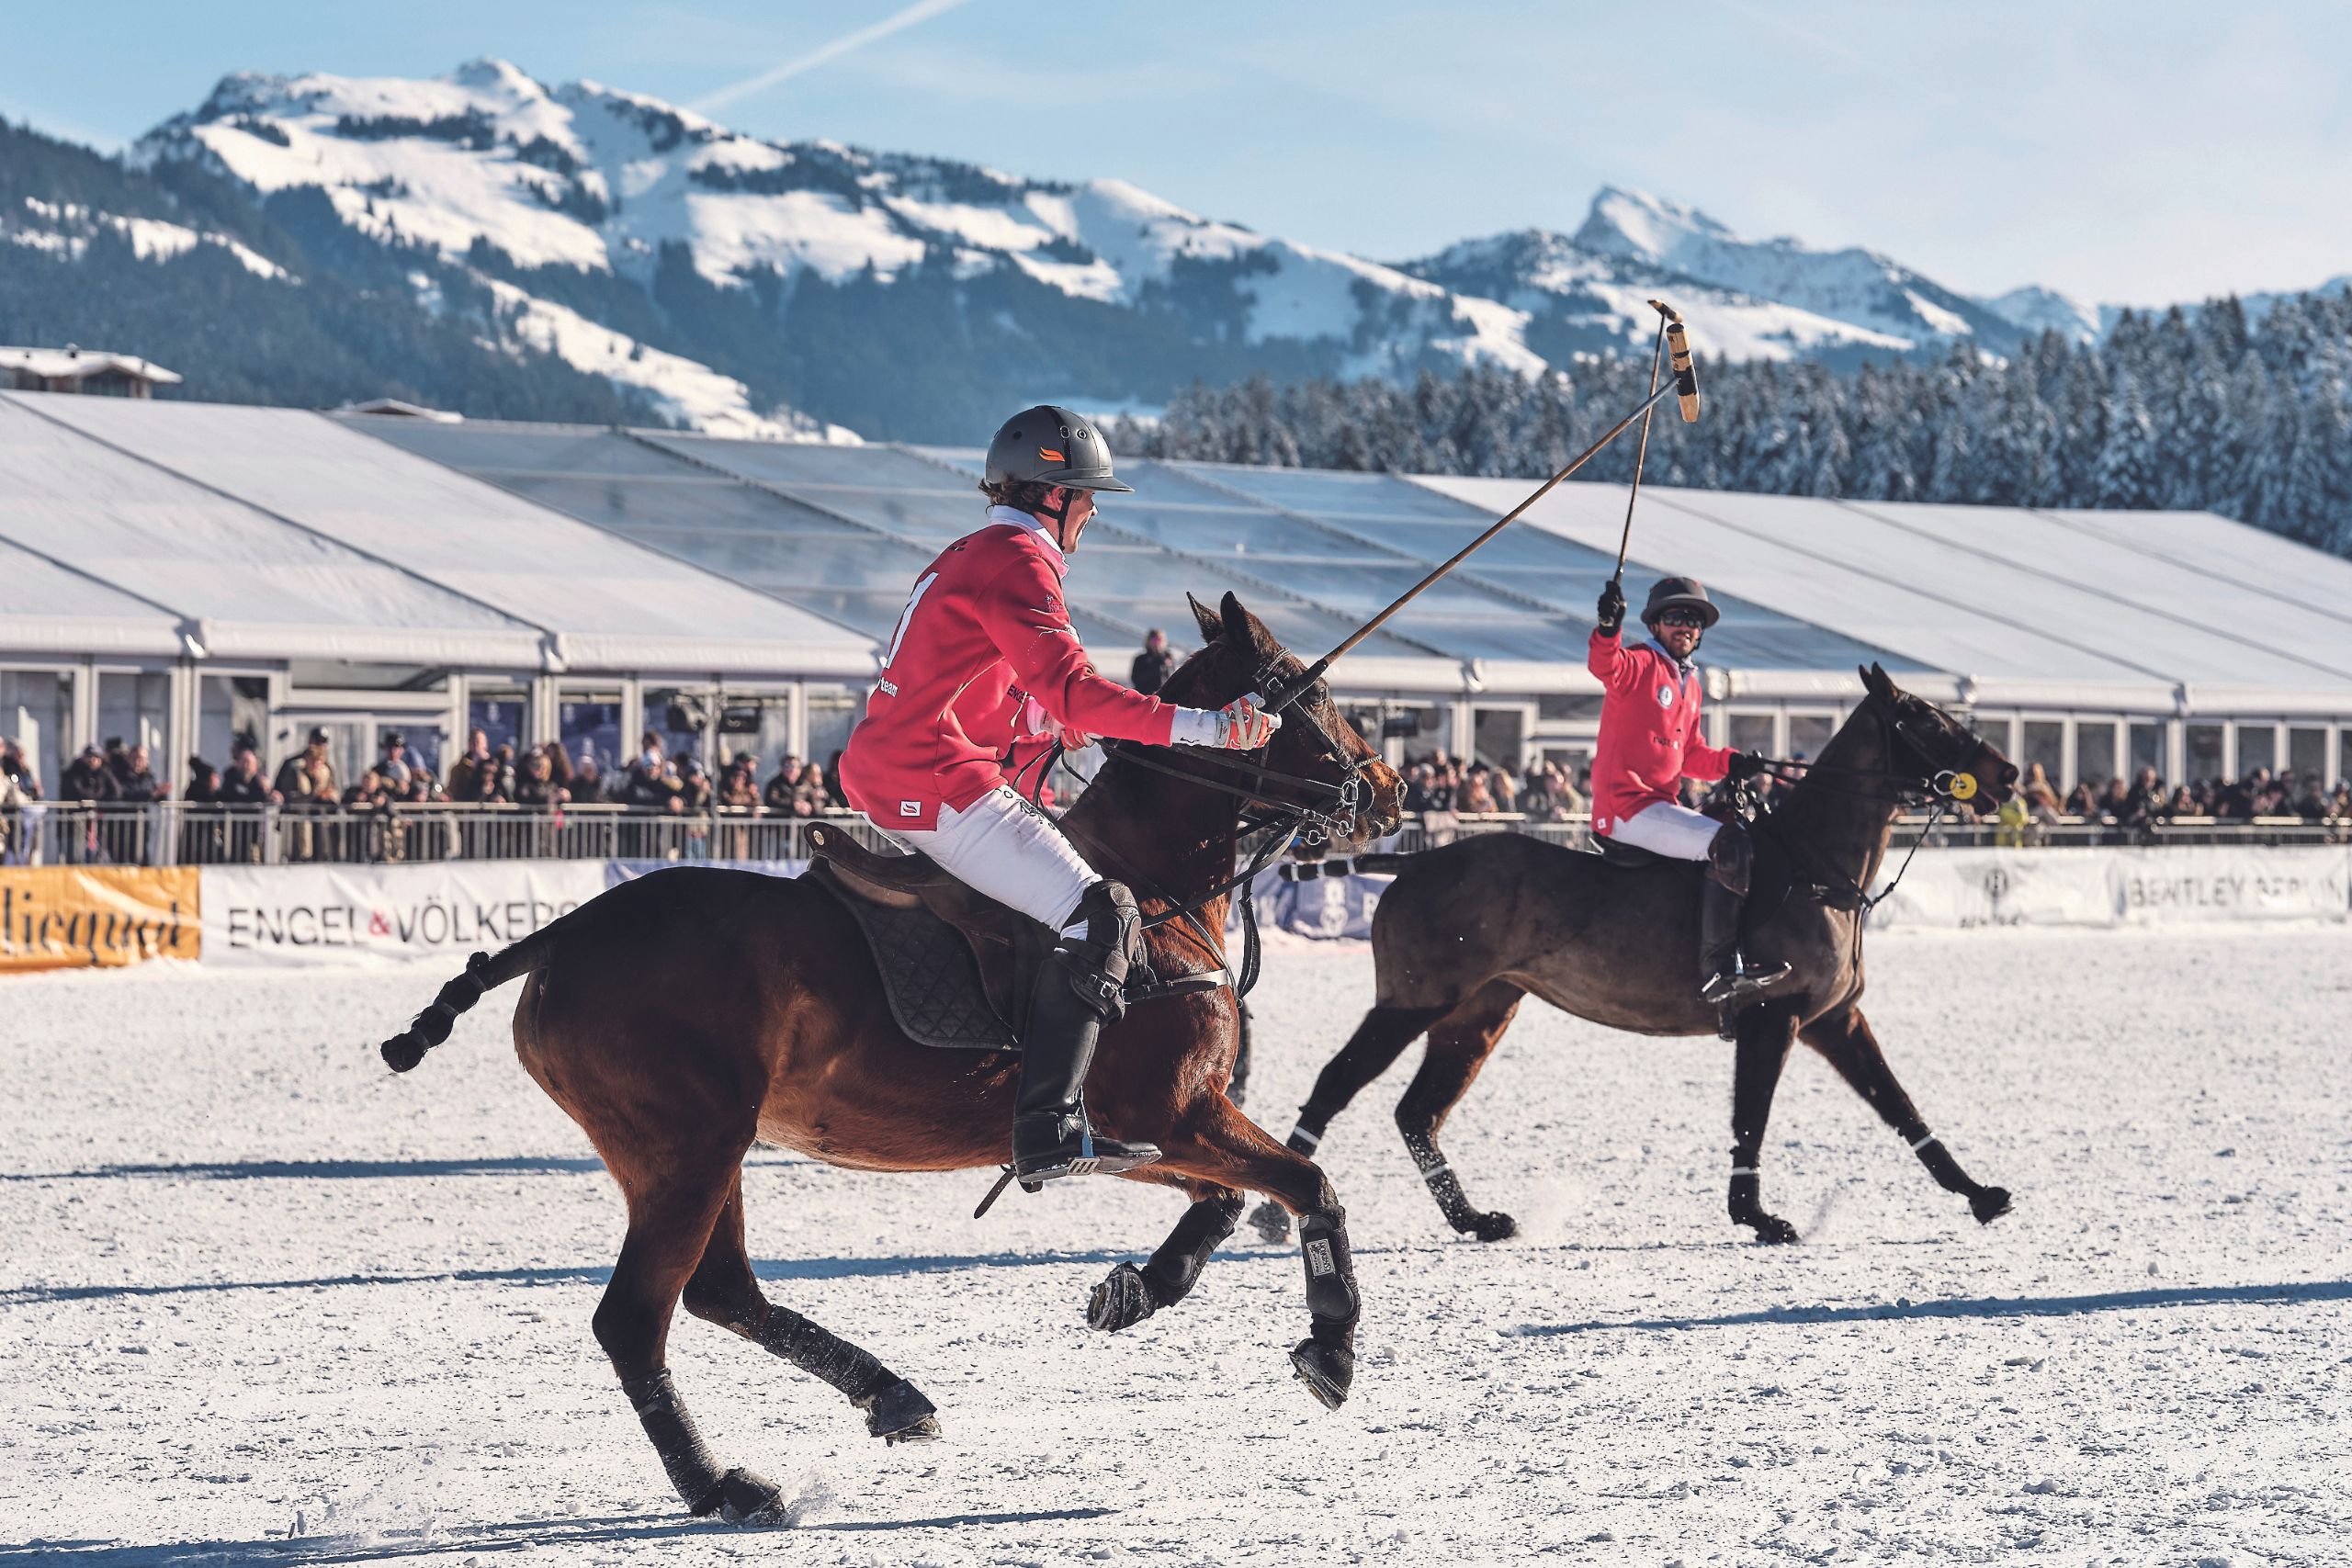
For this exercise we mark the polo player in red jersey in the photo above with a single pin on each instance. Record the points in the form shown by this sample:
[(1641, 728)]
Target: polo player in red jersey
[(984, 657), (1650, 741)]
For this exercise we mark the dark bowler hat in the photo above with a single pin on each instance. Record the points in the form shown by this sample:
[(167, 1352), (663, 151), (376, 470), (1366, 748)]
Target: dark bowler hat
[(1679, 592)]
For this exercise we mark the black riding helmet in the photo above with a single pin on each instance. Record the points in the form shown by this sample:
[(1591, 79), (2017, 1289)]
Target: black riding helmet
[(1680, 593), (1049, 444)]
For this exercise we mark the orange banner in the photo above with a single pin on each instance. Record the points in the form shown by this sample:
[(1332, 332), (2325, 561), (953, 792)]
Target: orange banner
[(72, 917)]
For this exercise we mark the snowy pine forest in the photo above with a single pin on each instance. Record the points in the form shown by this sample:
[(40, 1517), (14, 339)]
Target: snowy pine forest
[(2218, 409)]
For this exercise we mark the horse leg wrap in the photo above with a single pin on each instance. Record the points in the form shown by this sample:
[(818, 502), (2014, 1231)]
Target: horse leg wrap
[(823, 1354), (1332, 1298), (1177, 1264), (1307, 1135), (1443, 1185), (1937, 1158), (1747, 1185), (693, 1472)]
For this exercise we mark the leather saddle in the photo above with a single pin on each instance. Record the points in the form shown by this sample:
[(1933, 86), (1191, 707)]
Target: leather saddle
[(1769, 873), (956, 966)]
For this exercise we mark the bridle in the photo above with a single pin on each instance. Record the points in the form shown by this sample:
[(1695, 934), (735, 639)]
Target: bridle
[(1930, 782)]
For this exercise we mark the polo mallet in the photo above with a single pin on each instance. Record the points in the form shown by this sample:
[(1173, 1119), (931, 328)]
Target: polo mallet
[(1685, 386)]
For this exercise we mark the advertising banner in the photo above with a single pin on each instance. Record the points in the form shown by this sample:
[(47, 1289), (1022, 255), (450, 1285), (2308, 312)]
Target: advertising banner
[(279, 915), (2187, 886), (84, 916), (1956, 889)]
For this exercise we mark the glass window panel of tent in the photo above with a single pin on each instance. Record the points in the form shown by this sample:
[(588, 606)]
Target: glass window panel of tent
[(2094, 752), (2202, 753), (2257, 748), (1557, 707), (2147, 745), (1808, 733), (134, 707), (1753, 732), (37, 712), (676, 716), (2045, 743), (833, 712), (757, 725), (1497, 736), (593, 725), (423, 746), (2343, 753), (226, 707), (2307, 753), (499, 712)]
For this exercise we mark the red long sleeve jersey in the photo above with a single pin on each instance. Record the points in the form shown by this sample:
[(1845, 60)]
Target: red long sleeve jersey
[(984, 628), (1649, 731)]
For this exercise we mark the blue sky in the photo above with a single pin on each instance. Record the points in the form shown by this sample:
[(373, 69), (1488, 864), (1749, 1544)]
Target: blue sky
[(2122, 151)]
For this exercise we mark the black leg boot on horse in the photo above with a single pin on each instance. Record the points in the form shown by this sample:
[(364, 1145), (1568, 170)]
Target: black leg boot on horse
[(1081, 986), (1726, 981)]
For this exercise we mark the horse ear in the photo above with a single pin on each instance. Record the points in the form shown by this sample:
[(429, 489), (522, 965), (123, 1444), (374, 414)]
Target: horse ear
[(1874, 681), (1240, 626), (1206, 618)]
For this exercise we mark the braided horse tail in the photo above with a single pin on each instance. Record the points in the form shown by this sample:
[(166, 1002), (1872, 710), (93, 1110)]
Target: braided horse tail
[(483, 973)]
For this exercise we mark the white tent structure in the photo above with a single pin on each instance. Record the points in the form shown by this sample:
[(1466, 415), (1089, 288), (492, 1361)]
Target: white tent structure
[(179, 572)]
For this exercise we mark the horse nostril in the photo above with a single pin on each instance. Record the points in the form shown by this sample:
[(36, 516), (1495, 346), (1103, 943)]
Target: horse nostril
[(2008, 772)]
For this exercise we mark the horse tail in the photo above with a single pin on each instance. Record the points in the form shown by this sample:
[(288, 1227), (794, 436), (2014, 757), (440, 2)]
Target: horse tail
[(483, 973), (1345, 865)]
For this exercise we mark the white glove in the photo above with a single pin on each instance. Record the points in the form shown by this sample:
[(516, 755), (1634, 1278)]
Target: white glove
[(1239, 725)]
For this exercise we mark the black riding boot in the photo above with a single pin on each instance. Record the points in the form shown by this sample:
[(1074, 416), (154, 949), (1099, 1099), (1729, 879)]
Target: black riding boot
[(1724, 979), (1082, 984)]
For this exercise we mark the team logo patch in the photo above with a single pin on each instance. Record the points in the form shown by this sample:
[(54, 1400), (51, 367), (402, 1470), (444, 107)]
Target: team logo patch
[(1051, 456), (910, 808), (1665, 696)]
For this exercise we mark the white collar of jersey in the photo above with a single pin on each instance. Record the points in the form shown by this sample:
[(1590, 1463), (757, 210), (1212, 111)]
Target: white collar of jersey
[(1021, 519), (1685, 667)]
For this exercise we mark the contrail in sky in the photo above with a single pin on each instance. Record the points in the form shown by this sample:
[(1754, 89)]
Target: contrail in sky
[(920, 11)]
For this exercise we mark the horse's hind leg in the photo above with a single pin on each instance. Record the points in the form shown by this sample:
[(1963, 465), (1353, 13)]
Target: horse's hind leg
[(1221, 1148), (1132, 1295), (1763, 1034), (723, 1290), (1845, 1038), (670, 1219), (1458, 1045), (1378, 1040)]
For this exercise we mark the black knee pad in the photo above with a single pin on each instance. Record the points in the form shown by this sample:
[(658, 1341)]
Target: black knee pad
[(1096, 964)]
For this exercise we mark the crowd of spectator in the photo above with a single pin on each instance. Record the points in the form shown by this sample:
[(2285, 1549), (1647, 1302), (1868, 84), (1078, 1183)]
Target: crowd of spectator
[(328, 817)]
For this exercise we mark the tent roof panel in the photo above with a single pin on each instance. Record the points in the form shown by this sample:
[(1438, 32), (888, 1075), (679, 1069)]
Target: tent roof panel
[(538, 566)]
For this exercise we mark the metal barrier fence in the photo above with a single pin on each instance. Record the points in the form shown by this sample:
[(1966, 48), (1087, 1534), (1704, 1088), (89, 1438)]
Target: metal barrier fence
[(181, 833)]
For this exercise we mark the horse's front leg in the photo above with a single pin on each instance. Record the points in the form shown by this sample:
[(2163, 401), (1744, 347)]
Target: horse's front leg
[(1844, 1038), (1223, 1148), (1132, 1295), (1764, 1034)]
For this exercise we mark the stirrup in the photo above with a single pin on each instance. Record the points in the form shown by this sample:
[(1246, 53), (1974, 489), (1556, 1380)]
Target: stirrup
[(1088, 1159)]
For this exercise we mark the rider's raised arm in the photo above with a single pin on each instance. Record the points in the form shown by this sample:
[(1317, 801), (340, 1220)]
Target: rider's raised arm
[(1021, 608), (1605, 656)]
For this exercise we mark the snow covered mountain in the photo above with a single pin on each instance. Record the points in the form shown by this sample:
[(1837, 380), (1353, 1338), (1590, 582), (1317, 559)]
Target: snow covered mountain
[(801, 290)]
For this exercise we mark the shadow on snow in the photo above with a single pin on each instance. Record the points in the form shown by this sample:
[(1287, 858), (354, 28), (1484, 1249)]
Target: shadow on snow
[(376, 1546), (1975, 1307)]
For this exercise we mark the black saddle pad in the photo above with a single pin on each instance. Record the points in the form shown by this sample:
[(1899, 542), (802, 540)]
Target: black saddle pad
[(928, 974)]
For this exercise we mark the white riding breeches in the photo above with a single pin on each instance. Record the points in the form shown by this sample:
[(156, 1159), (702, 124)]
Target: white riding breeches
[(1665, 829), (1006, 848)]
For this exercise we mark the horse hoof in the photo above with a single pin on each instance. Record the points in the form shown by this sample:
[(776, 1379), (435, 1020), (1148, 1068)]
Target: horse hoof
[(1489, 1227), (1989, 1204), (1771, 1230), (1273, 1222), (746, 1497), (1122, 1300), (1326, 1370), (900, 1413)]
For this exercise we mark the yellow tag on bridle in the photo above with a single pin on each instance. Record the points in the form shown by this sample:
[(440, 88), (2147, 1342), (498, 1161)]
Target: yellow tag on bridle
[(1963, 787)]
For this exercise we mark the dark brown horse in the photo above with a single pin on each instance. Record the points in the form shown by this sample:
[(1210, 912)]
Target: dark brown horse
[(1467, 931), (683, 1017)]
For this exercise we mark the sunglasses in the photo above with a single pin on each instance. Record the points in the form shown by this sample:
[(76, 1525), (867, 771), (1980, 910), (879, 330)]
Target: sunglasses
[(1690, 618)]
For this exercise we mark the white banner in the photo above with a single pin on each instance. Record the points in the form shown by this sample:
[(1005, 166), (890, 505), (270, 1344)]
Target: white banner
[(2167, 886), (277, 915), (1950, 889)]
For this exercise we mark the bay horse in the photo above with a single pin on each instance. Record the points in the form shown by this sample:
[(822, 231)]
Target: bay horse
[(683, 1017), (1467, 931)]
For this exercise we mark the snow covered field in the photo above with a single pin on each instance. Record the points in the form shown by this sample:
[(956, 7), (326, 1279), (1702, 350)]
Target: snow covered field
[(250, 1283)]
